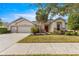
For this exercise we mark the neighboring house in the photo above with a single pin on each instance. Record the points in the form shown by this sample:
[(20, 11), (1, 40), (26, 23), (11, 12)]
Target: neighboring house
[(23, 25)]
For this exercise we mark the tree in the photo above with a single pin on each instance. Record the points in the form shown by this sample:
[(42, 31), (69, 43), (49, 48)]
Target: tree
[(70, 10), (42, 17), (59, 9), (54, 9), (1, 23), (42, 14), (64, 8), (73, 21)]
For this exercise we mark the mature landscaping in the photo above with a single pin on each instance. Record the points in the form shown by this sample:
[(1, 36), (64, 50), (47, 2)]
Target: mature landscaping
[(3, 29), (42, 18), (41, 33)]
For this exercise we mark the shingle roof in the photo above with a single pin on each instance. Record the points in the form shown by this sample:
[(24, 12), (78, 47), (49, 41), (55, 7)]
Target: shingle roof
[(35, 22), (21, 18), (53, 20)]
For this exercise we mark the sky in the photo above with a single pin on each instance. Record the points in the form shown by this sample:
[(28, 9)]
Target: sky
[(12, 11)]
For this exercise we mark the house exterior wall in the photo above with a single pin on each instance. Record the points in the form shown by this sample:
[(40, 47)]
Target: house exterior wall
[(25, 25), (9, 27), (53, 25), (24, 22)]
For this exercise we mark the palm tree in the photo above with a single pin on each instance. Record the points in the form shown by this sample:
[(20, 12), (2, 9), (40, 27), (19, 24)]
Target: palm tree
[(42, 17), (43, 12), (40, 20)]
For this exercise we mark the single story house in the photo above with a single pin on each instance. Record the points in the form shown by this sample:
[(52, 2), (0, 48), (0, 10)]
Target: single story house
[(23, 25)]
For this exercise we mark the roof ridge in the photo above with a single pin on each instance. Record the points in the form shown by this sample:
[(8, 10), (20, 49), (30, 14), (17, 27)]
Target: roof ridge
[(19, 19)]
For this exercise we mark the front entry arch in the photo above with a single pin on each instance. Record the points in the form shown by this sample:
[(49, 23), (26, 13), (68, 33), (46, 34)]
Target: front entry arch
[(46, 28), (59, 24)]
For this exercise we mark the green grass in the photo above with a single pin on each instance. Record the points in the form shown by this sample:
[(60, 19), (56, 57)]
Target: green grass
[(50, 39)]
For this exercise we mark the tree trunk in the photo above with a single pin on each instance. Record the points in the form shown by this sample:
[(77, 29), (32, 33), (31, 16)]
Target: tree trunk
[(42, 28)]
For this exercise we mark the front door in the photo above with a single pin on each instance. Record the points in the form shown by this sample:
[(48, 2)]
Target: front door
[(46, 28), (58, 25)]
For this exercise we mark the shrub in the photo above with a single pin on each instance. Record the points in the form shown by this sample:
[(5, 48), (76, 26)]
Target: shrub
[(4, 30), (50, 33), (62, 32), (34, 30), (68, 33), (56, 32), (71, 33), (59, 32), (8, 31), (75, 33)]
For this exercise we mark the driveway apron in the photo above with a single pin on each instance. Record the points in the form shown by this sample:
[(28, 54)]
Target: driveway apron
[(7, 40)]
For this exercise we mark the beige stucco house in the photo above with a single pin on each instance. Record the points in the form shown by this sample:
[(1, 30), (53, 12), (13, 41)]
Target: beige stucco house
[(57, 24), (23, 25)]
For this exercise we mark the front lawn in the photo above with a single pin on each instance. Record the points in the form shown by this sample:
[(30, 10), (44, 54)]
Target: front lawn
[(50, 39)]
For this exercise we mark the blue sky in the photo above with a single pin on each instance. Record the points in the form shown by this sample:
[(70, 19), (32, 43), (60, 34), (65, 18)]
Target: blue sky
[(12, 11)]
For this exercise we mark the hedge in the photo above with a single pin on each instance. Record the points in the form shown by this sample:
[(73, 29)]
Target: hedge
[(4, 30)]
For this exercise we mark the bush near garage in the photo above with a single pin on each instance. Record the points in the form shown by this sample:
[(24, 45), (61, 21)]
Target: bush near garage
[(4, 30), (34, 30)]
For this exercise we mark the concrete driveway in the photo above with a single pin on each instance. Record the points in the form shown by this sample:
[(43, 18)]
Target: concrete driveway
[(7, 40)]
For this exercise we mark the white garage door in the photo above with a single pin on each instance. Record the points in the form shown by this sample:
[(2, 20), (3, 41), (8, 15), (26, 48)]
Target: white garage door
[(24, 29)]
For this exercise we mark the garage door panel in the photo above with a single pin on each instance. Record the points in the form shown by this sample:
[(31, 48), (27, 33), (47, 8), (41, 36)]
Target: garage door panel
[(24, 29), (13, 29)]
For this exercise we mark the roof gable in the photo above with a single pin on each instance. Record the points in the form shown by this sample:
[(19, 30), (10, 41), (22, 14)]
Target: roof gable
[(51, 21), (21, 19), (24, 22)]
